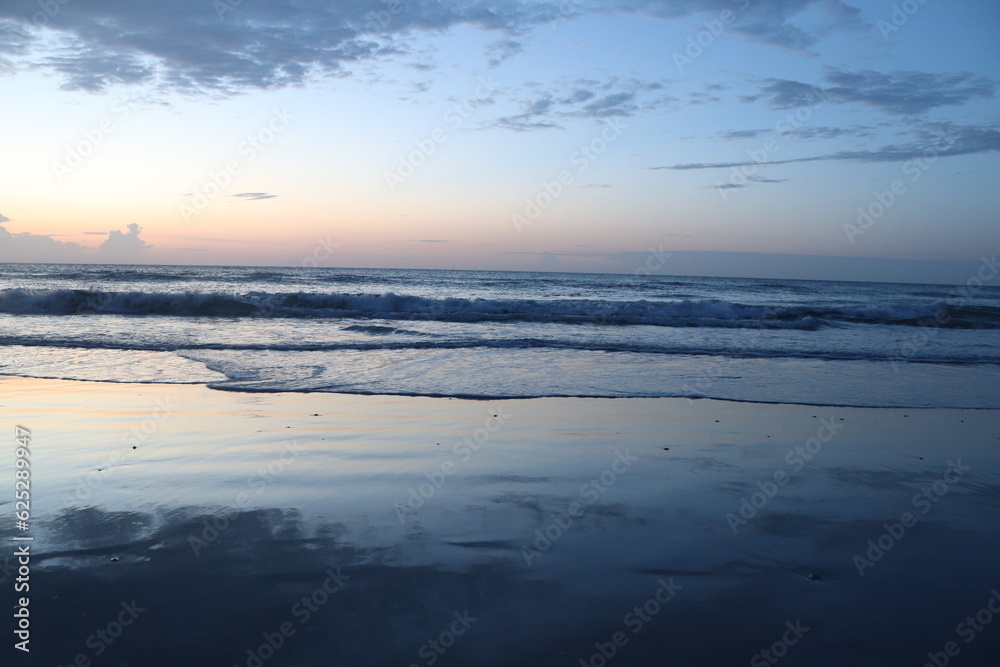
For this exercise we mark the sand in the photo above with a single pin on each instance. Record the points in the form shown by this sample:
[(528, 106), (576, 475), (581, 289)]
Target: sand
[(177, 525)]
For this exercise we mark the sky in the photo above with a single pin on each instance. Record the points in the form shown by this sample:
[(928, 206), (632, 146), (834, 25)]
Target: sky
[(798, 138)]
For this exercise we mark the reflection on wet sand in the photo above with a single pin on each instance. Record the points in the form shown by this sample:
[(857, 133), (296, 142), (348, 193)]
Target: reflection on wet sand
[(162, 563)]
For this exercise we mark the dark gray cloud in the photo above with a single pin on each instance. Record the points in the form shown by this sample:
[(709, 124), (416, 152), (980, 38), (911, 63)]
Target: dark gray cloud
[(502, 50), (741, 134), (201, 46), (898, 93), (253, 196), (785, 94), (767, 21), (824, 132), (906, 92), (226, 47), (933, 139), (93, 72), (749, 179), (554, 103)]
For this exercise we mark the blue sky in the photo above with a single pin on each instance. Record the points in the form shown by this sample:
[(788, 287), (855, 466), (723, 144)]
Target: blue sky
[(502, 135)]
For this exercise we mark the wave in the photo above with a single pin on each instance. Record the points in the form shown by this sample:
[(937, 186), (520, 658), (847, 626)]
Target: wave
[(191, 350), (390, 306)]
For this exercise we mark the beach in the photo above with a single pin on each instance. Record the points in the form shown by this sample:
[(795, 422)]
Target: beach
[(177, 524)]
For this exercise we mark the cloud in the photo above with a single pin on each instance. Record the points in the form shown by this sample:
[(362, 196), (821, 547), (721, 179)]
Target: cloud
[(618, 104), (227, 47), (551, 105), (750, 179), (907, 92), (824, 132), (502, 50), (27, 247), (198, 46), (93, 72), (4, 218), (785, 94), (938, 140), (898, 93), (254, 196), (118, 248), (769, 22), (122, 247), (597, 185), (432, 241), (741, 134)]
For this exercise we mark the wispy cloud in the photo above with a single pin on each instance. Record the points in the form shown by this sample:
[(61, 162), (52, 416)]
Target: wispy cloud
[(501, 51), (941, 140), (746, 183), (898, 93), (254, 196), (825, 132), (771, 22), (551, 105), (729, 135)]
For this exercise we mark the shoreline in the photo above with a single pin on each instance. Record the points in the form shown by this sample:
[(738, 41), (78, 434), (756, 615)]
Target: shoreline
[(478, 398)]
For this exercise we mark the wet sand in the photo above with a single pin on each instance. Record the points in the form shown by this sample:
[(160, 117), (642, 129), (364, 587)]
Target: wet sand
[(177, 525)]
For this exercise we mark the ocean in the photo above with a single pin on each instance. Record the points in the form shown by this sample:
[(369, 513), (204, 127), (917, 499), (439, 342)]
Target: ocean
[(493, 334)]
